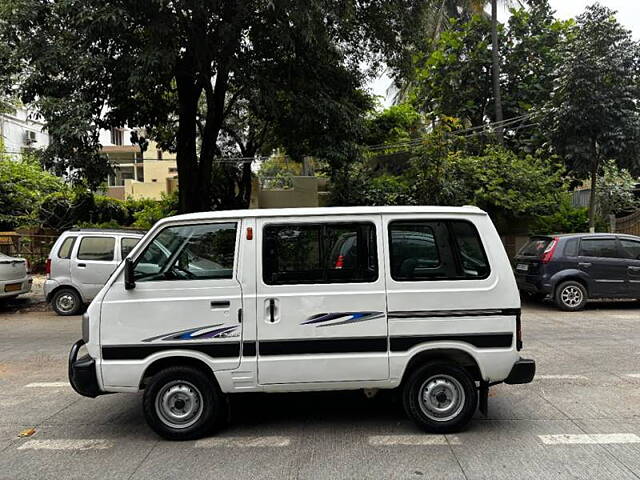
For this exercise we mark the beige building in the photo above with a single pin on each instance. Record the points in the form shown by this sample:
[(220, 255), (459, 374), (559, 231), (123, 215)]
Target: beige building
[(137, 175)]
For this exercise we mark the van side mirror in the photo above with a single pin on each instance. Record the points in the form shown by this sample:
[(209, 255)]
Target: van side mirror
[(129, 279)]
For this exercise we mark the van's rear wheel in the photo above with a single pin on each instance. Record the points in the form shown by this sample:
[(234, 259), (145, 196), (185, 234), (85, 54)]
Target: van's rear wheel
[(182, 403), (66, 301), (440, 398), (571, 296)]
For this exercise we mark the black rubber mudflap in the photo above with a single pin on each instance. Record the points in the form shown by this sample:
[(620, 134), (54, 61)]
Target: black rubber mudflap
[(483, 392)]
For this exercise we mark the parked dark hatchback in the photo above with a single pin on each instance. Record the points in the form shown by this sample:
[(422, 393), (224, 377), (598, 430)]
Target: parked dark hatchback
[(573, 268)]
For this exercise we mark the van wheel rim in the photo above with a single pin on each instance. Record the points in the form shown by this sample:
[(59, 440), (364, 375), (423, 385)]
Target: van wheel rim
[(179, 404), (441, 398), (571, 296), (65, 302)]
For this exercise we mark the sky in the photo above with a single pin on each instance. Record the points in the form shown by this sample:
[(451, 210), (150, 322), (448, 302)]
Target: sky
[(628, 15)]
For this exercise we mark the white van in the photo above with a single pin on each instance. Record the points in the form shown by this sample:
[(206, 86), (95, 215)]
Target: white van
[(417, 298)]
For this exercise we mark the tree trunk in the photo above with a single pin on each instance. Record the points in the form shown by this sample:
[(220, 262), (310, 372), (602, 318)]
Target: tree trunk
[(595, 164), (186, 155), (495, 54)]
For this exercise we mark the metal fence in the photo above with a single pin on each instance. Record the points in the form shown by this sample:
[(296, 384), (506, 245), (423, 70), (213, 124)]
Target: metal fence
[(35, 248)]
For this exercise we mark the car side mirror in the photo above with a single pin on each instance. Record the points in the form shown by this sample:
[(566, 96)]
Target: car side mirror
[(129, 279)]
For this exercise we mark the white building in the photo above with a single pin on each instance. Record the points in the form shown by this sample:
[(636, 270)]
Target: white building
[(21, 130)]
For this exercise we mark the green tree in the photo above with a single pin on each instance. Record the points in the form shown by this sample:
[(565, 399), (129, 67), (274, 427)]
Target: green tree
[(177, 68), (615, 189), (456, 78), (593, 114), (23, 184)]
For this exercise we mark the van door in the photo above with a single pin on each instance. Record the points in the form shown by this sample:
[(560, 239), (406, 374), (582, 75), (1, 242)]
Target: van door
[(187, 297), (321, 300), (93, 263)]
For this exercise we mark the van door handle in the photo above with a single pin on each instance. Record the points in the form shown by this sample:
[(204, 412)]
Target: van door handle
[(272, 310), (584, 264), (82, 265), (220, 303)]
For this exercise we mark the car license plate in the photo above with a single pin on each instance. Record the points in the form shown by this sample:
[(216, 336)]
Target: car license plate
[(13, 287), (522, 267)]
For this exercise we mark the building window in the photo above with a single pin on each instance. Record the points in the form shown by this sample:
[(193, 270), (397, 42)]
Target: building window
[(159, 152), (117, 136), (173, 170)]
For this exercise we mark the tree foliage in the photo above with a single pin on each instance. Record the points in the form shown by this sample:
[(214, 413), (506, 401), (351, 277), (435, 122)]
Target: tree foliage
[(23, 183), (594, 114), (203, 76), (616, 189)]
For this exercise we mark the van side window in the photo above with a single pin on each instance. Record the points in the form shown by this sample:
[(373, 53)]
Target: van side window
[(189, 252), (598, 247), (470, 252), (66, 247), (319, 253), (422, 250), (97, 248), (126, 245)]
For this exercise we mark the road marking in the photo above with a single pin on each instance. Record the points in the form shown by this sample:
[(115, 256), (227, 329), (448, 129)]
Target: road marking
[(48, 385), (633, 375), (243, 442), (66, 444), (594, 438), (561, 377), (393, 440)]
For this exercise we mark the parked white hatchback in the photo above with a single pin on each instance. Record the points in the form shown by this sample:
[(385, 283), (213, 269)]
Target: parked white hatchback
[(80, 262), (14, 277), (419, 299)]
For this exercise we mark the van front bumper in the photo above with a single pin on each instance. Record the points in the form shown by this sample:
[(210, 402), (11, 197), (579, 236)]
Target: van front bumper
[(82, 372), (523, 371)]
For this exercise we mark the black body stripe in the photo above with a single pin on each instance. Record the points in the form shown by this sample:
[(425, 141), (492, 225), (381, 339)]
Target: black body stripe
[(480, 340), (324, 345), (454, 313), (139, 352), (299, 347), (248, 349)]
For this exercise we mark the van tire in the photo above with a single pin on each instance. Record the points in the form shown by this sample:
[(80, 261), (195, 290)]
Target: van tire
[(185, 390), (571, 296), (456, 386), (66, 301)]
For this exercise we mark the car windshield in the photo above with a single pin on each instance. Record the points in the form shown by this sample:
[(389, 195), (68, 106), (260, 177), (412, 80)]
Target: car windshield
[(534, 247)]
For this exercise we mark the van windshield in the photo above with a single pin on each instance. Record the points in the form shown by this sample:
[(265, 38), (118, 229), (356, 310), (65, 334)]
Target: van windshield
[(534, 247)]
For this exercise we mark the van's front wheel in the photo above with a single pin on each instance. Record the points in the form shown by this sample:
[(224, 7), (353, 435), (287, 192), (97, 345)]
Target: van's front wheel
[(182, 403), (440, 398)]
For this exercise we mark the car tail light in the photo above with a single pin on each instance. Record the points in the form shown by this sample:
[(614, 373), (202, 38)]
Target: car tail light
[(547, 255), (340, 261), (27, 265), (47, 266)]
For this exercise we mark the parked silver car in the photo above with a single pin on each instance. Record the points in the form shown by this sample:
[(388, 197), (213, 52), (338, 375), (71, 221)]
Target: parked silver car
[(14, 276), (80, 263)]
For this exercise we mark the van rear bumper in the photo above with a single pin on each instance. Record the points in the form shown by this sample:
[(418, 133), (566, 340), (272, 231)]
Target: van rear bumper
[(82, 372), (523, 371)]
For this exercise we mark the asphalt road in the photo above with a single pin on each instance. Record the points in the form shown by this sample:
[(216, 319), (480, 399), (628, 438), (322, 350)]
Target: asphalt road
[(579, 419)]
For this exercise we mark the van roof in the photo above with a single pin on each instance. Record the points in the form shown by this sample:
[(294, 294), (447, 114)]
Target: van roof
[(317, 211)]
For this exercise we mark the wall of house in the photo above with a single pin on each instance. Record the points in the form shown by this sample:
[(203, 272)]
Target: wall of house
[(13, 127), (305, 192)]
